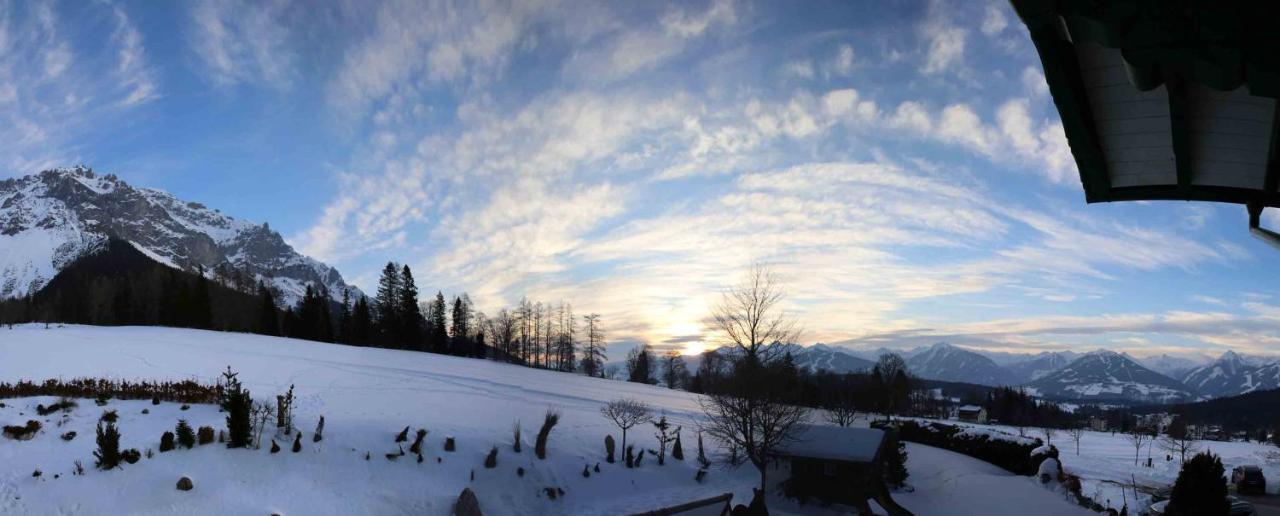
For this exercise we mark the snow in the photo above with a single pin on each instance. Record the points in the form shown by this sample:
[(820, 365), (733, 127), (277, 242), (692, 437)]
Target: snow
[(367, 396), (836, 443)]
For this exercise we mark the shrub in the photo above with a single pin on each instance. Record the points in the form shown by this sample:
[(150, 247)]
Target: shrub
[(1201, 489), (22, 433), (631, 456), (608, 448), (155, 400), (238, 404), (204, 435), (1013, 455), (108, 454), (166, 442), (515, 439), (403, 435), (132, 455), (319, 431), (69, 436), (548, 422), (416, 448), (702, 454), (586, 471), (110, 416), (677, 450), (186, 437), (78, 469), (297, 444), (491, 461), (895, 465), (275, 448), (62, 404), (449, 445)]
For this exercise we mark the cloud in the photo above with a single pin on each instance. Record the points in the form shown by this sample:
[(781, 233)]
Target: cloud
[(1034, 82), (137, 78), (241, 42), (944, 42), (994, 21)]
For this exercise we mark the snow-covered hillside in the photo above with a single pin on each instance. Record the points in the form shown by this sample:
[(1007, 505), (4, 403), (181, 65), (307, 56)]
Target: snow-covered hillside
[(367, 396), (49, 219), (1233, 374), (945, 362), (1106, 375)]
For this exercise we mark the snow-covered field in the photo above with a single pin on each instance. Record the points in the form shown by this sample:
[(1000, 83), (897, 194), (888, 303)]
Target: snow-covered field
[(367, 396), (1105, 463)]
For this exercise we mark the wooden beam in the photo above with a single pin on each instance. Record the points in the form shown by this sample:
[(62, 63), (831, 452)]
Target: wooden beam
[(1066, 84), (1180, 133)]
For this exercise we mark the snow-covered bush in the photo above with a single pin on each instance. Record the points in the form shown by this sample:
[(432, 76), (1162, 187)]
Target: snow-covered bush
[(166, 442), (204, 435), (1201, 488), (109, 416), (22, 433), (895, 465)]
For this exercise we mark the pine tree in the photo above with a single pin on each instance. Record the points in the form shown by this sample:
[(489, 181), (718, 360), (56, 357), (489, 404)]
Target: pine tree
[(459, 326), (268, 313), (201, 306), (1201, 489), (237, 403), (186, 436), (437, 329), (410, 314), (387, 303), (108, 439), (640, 365), (344, 318), (361, 322), (593, 355), (895, 467)]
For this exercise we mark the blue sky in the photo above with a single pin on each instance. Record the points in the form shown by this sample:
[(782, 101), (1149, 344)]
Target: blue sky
[(899, 164)]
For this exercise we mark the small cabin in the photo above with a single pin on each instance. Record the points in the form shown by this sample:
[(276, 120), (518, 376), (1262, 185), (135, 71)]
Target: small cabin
[(972, 414), (842, 465)]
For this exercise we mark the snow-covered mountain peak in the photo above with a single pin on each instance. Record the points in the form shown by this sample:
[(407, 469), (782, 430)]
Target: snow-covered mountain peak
[(49, 219)]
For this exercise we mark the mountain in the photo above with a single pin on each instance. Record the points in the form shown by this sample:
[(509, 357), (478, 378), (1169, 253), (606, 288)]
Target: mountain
[(1173, 366), (945, 362), (1233, 374), (1034, 367), (1109, 376), (47, 220), (829, 358)]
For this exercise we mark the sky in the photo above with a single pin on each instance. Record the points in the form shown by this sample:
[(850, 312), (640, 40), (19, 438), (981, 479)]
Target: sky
[(899, 164)]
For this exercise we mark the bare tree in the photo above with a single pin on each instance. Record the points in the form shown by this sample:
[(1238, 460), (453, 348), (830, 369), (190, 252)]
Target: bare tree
[(1076, 433), (840, 411), (1177, 441), (754, 411), (674, 370), (750, 317), (1048, 432), (626, 413), (1137, 438)]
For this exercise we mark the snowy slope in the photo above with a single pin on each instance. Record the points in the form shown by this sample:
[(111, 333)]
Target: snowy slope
[(1173, 366), (945, 362), (1107, 375), (1034, 367), (1233, 374), (366, 396), (49, 219)]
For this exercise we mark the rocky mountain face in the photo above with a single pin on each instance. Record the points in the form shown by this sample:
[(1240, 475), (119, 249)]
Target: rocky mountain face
[(51, 218), (949, 363), (1109, 376), (1233, 374)]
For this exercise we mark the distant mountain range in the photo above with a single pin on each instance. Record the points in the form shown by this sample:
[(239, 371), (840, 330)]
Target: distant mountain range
[(47, 220), (1101, 376)]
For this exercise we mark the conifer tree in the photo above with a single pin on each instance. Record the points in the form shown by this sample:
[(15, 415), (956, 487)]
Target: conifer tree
[(387, 303), (344, 318), (237, 403), (410, 315), (361, 322), (436, 327), (186, 436), (593, 355), (268, 312), (1201, 488), (108, 439)]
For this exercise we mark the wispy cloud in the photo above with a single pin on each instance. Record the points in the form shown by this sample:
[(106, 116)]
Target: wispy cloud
[(240, 42)]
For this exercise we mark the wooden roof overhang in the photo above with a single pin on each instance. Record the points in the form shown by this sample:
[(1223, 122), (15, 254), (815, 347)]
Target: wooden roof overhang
[(1166, 99)]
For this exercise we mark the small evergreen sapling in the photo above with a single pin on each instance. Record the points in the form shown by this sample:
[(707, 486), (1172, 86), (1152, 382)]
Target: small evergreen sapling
[(491, 461), (586, 471), (297, 443), (186, 437), (166, 442), (132, 455), (631, 456), (702, 454), (275, 448), (109, 416), (1201, 488), (403, 435), (664, 436), (548, 422), (895, 466), (108, 454), (608, 448), (238, 404)]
